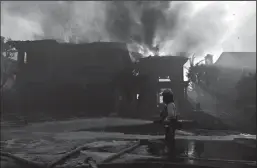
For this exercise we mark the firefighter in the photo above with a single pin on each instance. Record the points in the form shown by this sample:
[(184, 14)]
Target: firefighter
[(169, 118)]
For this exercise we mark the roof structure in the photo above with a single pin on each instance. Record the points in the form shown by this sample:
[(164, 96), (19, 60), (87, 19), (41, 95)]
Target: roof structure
[(167, 58), (94, 45), (237, 60), (231, 67)]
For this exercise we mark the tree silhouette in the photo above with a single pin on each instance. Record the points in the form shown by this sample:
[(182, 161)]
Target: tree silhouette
[(246, 88), (7, 62)]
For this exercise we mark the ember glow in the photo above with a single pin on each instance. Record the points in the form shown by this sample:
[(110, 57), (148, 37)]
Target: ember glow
[(145, 51)]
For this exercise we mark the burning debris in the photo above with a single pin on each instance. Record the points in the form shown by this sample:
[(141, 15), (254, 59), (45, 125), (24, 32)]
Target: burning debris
[(86, 70)]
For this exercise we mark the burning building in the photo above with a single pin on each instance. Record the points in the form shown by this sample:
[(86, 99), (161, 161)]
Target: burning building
[(96, 78), (160, 73)]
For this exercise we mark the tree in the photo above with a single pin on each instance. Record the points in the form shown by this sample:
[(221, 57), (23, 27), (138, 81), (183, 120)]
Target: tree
[(8, 64), (246, 88), (7, 50), (195, 71)]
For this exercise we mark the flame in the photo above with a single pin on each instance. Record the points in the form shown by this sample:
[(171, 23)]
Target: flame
[(146, 51)]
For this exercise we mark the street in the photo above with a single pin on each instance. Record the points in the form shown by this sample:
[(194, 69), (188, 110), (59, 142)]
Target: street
[(44, 142)]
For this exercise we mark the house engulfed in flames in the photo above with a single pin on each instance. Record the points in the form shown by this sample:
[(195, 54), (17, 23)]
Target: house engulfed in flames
[(96, 78)]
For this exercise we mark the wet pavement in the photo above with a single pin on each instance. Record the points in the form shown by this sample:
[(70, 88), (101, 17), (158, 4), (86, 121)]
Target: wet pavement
[(157, 129), (207, 147), (187, 152), (202, 146), (222, 150)]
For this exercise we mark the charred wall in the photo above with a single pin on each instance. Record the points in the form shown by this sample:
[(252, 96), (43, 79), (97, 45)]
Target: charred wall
[(142, 99), (77, 77), (95, 79)]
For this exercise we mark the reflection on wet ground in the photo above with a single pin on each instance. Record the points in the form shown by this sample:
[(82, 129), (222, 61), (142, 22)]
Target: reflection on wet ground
[(229, 150), (193, 149), (51, 146), (157, 129), (155, 150), (201, 134), (202, 153), (214, 149)]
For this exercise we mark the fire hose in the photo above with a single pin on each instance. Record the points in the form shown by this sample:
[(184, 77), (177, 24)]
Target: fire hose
[(91, 163), (89, 160), (21, 160)]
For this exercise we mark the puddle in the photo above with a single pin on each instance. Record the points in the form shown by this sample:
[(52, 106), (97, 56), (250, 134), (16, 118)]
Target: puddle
[(157, 129), (204, 144), (184, 148), (100, 149), (204, 150)]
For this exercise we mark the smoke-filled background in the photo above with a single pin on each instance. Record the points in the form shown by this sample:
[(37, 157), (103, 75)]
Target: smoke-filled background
[(192, 27)]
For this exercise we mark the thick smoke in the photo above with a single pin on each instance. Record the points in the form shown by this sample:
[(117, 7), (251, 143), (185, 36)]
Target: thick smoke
[(171, 26), (118, 21), (198, 32), (68, 21), (135, 21)]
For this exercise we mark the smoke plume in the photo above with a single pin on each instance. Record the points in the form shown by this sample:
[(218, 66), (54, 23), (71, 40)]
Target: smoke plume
[(173, 27)]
